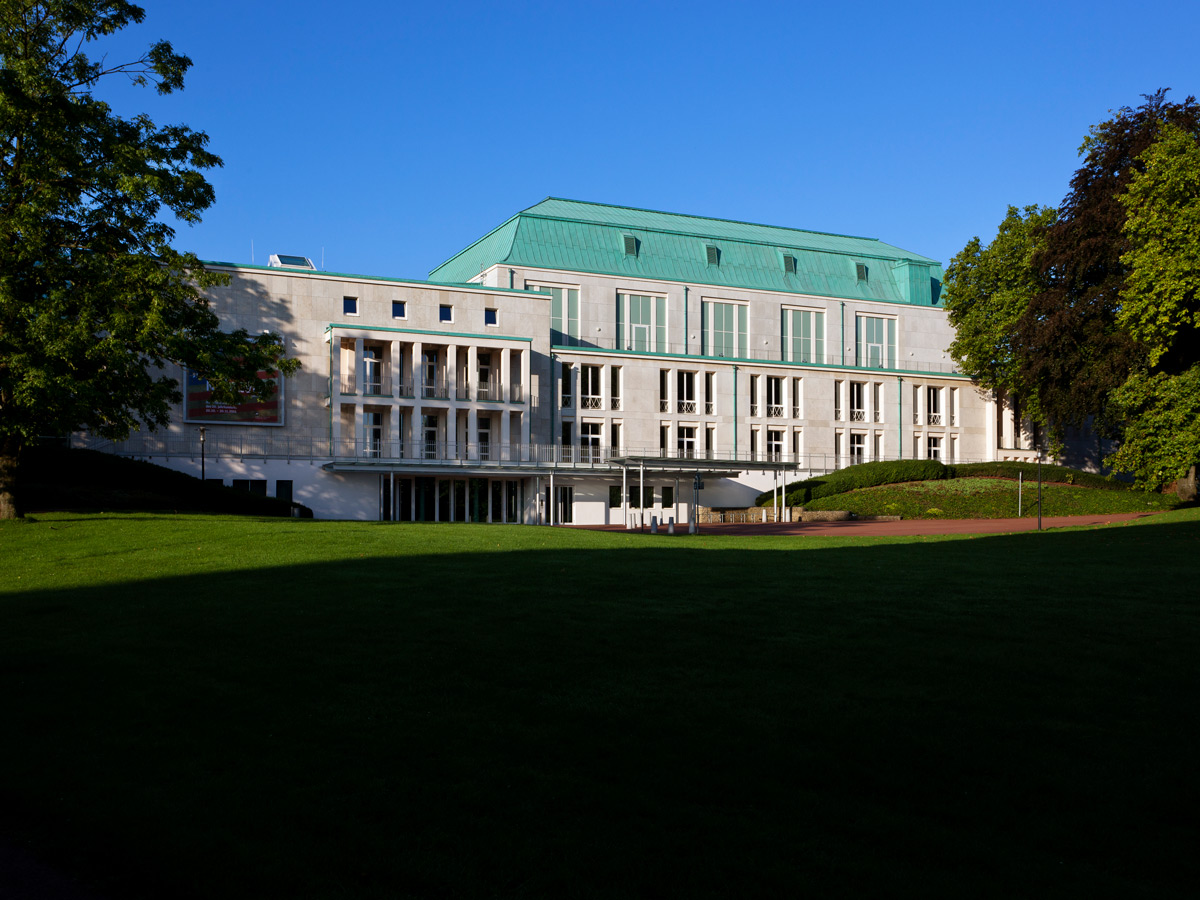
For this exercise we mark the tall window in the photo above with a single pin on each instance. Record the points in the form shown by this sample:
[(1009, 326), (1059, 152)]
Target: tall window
[(615, 387), (589, 387), (774, 396), (858, 401), (754, 395), (934, 406), (803, 336), (934, 447), (710, 397), (686, 396), (724, 329), (567, 400), (589, 442), (774, 445), (875, 342), (642, 323), (797, 395), (858, 449), (564, 313), (686, 441)]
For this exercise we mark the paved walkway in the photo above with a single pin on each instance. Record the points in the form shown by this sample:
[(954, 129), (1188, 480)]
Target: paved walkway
[(903, 528)]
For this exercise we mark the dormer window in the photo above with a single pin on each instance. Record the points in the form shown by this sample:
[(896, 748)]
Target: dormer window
[(631, 244), (861, 270), (712, 254), (789, 264)]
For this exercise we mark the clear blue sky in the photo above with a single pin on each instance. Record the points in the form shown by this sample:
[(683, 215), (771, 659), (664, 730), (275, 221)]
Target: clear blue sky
[(390, 135)]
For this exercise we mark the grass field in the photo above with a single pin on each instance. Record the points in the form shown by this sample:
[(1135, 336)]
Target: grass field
[(988, 498), (214, 707)]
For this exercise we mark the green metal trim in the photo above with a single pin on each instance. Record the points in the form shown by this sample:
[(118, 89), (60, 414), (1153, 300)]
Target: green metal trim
[(458, 334), (900, 418), (745, 360), (713, 284)]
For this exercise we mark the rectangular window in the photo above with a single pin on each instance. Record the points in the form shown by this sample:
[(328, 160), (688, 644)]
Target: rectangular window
[(774, 445), (614, 438), (445, 313), (564, 313), (858, 449), (668, 496), (568, 441), (837, 449), (858, 401), (723, 327), (797, 396), (837, 401), (686, 396), (877, 401), (710, 397), (710, 441), (642, 323), (635, 497), (774, 397), (350, 306), (615, 387), (754, 395), (589, 387), (399, 311), (934, 406), (589, 442), (567, 400), (754, 443), (935, 447), (803, 336), (283, 490), (664, 439), (664, 381), (686, 442), (952, 407), (875, 342), (648, 496), (614, 496), (490, 317), (877, 448)]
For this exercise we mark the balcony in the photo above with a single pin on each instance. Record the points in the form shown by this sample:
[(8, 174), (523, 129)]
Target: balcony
[(878, 416), (346, 386), (616, 403), (687, 406), (709, 408), (935, 418), (858, 415), (568, 402), (754, 409), (591, 401), (774, 410), (435, 390), (796, 412), (516, 393), (664, 405), (491, 392)]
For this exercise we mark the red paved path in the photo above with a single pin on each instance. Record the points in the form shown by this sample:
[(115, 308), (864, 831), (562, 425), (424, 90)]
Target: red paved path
[(905, 527)]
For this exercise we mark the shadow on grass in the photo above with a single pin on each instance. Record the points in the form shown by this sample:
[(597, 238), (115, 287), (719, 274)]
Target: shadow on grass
[(921, 718)]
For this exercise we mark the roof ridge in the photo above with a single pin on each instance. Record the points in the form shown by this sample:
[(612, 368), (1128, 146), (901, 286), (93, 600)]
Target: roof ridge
[(663, 212)]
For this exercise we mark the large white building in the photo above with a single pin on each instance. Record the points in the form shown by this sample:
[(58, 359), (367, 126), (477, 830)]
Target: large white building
[(584, 363)]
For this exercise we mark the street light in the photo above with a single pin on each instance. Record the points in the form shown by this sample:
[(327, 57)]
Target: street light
[(202, 479)]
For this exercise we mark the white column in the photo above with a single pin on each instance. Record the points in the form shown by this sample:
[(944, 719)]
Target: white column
[(505, 434), (472, 431), (503, 376), (418, 369), (394, 357), (472, 371), (625, 496), (452, 372)]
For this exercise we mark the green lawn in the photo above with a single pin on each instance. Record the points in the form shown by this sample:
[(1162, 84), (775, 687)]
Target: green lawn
[(213, 707), (988, 498)]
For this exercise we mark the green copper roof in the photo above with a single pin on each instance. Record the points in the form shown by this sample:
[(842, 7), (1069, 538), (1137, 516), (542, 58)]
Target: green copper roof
[(590, 237)]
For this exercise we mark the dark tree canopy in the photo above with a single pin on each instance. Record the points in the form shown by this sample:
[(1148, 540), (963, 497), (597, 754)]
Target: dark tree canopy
[(95, 303), (1072, 347)]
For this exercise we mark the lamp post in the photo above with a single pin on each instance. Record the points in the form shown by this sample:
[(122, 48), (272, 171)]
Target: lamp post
[(202, 454)]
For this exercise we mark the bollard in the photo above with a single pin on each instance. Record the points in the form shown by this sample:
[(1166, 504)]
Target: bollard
[(671, 525), (654, 524)]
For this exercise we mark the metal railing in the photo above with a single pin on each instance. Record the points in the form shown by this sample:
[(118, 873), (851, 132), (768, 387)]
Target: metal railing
[(935, 418), (664, 405), (457, 454), (709, 408), (687, 406), (858, 415), (616, 403), (775, 411), (591, 401), (754, 409)]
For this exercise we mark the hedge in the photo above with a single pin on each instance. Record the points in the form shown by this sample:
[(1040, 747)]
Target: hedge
[(864, 475), (873, 474)]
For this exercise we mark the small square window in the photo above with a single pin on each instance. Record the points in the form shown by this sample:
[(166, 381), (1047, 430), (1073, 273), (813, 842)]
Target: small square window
[(399, 311), (445, 313), (860, 269), (350, 306), (789, 264), (490, 318), (712, 255)]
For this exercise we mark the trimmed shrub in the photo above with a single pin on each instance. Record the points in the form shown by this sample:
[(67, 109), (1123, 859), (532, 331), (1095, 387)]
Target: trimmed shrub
[(864, 475)]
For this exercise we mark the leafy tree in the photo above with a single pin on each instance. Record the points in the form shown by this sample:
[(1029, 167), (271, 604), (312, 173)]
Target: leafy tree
[(1161, 439), (1160, 302), (94, 301), (1073, 346), (986, 292)]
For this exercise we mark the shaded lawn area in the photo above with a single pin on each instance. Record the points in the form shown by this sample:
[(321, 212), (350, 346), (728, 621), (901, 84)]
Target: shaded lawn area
[(202, 706), (988, 498)]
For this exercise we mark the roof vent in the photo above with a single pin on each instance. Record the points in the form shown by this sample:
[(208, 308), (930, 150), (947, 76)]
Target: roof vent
[(861, 270), (712, 254), (631, 244), (283, 261), (789, 264)]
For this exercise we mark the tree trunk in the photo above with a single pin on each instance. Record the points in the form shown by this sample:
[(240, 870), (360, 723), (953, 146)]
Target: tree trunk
[(10, 449)]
